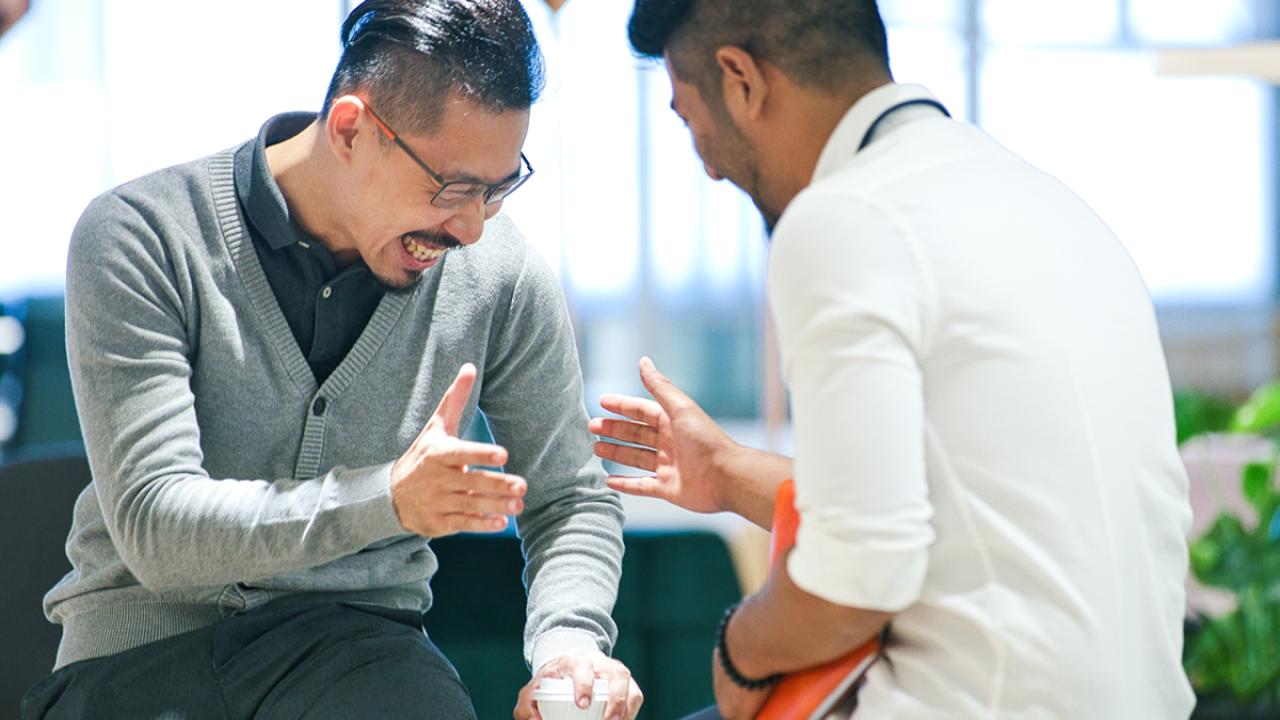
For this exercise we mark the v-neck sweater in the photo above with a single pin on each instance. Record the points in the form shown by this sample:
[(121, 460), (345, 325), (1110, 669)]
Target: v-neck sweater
[(225, 477)]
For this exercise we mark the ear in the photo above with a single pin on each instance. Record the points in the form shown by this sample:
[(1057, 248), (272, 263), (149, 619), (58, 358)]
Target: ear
[(343, 126), (743, 83)]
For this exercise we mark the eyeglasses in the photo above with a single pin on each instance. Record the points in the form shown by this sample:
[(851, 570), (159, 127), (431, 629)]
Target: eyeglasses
[(456, 193)]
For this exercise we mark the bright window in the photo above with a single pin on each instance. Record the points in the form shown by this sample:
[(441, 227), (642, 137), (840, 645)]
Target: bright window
[(1180, 168), (101, 91)]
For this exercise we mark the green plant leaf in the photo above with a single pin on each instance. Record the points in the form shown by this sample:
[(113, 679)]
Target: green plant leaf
[(1210, 652), (1205, 556), (1237, 656), (1256, 482), (1225, 555), (1196, 413), (1260, 413)]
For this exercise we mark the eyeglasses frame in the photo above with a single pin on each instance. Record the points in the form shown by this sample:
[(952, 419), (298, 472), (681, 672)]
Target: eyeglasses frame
[(490, 189)]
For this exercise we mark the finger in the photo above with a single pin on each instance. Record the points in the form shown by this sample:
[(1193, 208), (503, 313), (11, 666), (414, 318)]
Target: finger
[(468, 452), (473, 523), (455, 398), (641, 458), (489, 482), (619, 685), (640, 486), (625, 431), (635, 699), (670, 397), (597, 424), (483, 483), (636, 408), (584, 678), (524, 709), (473, 503)]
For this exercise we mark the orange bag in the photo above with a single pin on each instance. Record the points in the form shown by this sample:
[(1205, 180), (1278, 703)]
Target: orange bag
[(811, 693)]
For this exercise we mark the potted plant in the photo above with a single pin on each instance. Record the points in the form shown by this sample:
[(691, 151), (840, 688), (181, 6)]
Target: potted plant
[(1233, 660)]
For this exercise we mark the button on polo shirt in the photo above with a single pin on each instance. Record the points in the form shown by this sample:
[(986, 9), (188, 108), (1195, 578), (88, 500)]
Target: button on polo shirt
[(326, 307)]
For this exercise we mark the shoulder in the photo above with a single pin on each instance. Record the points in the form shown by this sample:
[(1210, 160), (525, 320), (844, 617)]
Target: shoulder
[(500, 282), (150, 231), (160, 204), (894, 196), (838, 250), (831, 227), (501, 263)]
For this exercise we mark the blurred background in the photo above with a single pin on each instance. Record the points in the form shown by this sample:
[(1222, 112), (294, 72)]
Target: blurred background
[(1178, 157), (654, 257)]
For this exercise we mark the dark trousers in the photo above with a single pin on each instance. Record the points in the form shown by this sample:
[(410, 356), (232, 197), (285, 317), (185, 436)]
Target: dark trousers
[(279, 661)]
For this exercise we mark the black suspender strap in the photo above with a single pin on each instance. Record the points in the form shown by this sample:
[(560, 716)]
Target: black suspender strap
[(866, 139)]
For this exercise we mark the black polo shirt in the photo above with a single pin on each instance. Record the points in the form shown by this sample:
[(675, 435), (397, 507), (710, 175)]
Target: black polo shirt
[(326, 308)]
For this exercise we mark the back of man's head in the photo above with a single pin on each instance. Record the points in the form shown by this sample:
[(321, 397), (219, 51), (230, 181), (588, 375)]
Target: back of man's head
[(825, 45), (409, 57)]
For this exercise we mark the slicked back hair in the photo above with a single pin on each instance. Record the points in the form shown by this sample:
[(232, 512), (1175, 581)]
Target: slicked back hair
[(409, 57), (820, 44)]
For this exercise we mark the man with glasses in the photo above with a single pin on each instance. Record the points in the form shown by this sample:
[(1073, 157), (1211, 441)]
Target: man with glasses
[(273, 351)]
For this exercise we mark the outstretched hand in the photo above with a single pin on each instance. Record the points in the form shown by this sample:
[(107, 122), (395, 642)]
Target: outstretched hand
[(679, 444)]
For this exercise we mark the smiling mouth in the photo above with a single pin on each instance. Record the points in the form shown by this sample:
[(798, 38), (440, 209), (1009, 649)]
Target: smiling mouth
[(425, 247)]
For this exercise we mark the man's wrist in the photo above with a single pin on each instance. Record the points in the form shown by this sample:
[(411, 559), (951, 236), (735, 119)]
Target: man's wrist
[(726, 466), (559, 642), (731, 669), (746, 481)]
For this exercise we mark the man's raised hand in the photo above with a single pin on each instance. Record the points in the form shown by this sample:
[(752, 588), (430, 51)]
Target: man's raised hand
[(433, 490), (679, 444)]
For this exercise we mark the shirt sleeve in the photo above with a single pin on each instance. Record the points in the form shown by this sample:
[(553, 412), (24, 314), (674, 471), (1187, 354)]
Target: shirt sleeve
[(130, 359), (571, 529), (852, 301)]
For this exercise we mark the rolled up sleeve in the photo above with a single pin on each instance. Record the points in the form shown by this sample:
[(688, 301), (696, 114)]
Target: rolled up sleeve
[(852, 302)]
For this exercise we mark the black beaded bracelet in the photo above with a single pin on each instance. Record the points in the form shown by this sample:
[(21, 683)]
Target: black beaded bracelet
[(727, 665)]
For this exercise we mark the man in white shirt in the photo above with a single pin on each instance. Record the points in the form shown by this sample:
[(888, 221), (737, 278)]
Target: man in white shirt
[(984, 443)]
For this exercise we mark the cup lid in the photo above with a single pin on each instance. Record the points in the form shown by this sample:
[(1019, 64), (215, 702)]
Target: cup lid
[(551, 688)]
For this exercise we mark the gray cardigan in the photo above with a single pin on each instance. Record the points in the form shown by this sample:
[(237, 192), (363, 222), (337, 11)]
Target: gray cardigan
[(224, 478)]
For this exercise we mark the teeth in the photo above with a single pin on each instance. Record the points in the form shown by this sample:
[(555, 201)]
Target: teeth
[(421, 252)]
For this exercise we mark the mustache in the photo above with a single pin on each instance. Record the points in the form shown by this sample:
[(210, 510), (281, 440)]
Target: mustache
[(435, 237)]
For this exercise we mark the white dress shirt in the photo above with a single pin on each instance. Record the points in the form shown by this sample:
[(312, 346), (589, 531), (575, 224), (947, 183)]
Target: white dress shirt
[(984, 428)]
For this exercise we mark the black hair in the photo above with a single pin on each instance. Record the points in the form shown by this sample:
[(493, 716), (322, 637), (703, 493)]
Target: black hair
[(822, 44), (411, 56)]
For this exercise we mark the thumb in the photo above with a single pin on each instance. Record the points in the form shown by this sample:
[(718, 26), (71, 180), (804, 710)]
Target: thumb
[(449, 412), (670, 397)]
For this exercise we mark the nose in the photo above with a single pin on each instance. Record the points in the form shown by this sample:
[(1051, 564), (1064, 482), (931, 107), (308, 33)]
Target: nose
[(491, 209), (711, 172), (466, 224)]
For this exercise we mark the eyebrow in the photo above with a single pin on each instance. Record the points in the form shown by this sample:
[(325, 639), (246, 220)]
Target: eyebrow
[(468, 177)]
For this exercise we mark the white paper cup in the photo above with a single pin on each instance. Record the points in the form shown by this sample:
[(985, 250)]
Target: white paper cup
[(556, 700)]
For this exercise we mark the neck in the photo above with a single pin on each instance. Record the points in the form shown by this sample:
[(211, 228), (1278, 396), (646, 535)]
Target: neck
[(302, 166), (804, 127)]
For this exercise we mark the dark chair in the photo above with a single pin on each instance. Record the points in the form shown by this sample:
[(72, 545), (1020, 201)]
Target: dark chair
[(37, 494)]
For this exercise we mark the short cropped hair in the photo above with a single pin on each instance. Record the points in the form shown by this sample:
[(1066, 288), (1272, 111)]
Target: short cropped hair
[(815, 42), (411, 56)]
